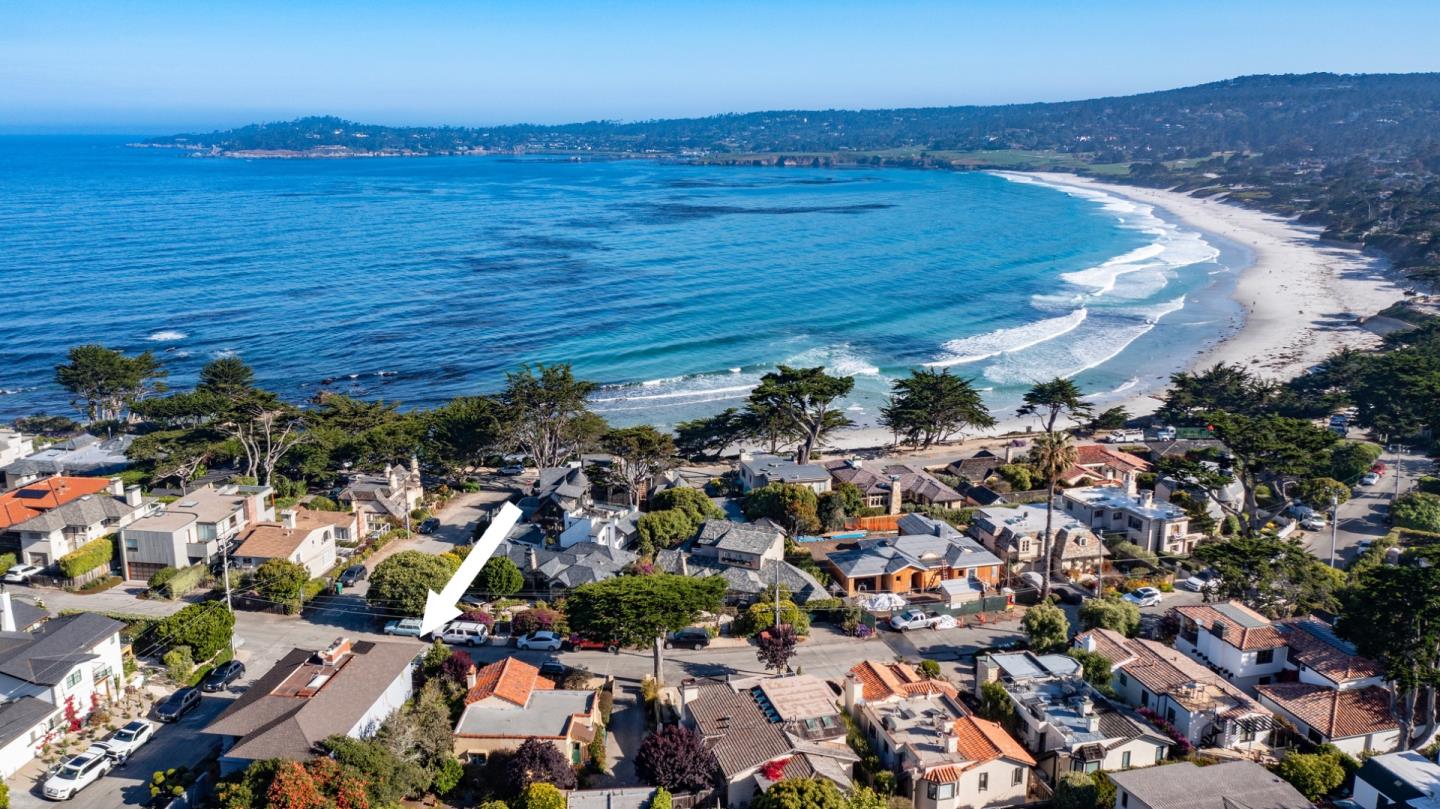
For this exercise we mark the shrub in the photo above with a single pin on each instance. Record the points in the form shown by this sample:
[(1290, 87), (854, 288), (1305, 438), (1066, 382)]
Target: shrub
[(1047, 627), (169, 582), (532, 620), (500, 577), (930, 669), (1314, 775), (179, 664), (7, 561), (661, 799), (447, 777), (86, 558), (1417, 510), (205, 628), (1022, 478), (542, 796)]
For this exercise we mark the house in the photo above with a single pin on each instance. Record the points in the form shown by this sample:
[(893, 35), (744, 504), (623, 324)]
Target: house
[(1022, 667), (1319, 657), (912, 562), (950, 758), (765, 729), (346, 689), (34, 499), (978, 467), (83, 454), (1067, 724), (559, 491), (392, 494), (761, 469), (1014, 534), (508, 702), (63, 668), (889, 486), (56, 532), (600, 524), (1097, 463), (1198, 703), (1227, 785), (14, 446), (193, 529), (887, 682), (1159, 527), (304, 537), (1356, 720), (751, 557), (984, 497), (1403, 779), (1240, 644), (565, 569)]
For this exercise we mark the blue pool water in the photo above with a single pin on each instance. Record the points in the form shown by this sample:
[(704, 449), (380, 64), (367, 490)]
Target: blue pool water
[(416, 280)]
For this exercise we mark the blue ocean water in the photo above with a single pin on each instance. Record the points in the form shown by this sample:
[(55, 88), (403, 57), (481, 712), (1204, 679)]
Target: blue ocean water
[(416, 280)]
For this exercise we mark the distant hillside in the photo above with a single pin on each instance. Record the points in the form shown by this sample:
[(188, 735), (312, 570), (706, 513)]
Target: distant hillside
[(1357, 154), (1321, 113)]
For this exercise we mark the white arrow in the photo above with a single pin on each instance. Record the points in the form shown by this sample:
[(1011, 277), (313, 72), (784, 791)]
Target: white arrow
[(440, 607)]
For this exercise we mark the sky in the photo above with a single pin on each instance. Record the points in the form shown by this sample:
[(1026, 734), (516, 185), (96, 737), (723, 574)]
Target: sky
[(143, 66)]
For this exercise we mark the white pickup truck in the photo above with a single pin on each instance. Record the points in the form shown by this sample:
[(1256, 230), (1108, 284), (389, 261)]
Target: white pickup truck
[(914, 619), (1125, 437)]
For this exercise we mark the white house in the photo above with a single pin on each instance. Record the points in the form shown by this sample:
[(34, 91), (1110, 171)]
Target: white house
[(603, 525), (13, 446), (60, 671), (1233, 640), (1228, 785), (761, 469), (46, 537), (304, 537), (1398, 779), (1356, 720), (1157, 526), (347, 689)]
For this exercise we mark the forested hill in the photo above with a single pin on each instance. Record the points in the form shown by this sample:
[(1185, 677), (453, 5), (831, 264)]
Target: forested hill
[(1321, 114)]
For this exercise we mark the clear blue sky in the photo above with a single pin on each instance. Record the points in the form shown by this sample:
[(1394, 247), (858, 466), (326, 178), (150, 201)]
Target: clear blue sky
[(162, 65)]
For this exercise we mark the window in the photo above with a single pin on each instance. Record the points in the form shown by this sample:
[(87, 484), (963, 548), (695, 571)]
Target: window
[(74, 679), (984, 781), (1264, 656), (1124, 798), (1125, 760), (1123, 679), (1018, 777), (1314, 736), (132, 545), (1170, 714), (1144, 698), (1159, 754), (936, 791)]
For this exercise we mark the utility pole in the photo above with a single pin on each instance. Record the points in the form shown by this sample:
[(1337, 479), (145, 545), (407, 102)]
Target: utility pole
[(1334, 525), (777, 596)]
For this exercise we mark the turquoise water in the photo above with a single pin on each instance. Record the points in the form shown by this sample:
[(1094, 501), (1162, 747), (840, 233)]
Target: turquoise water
[(416, 280)]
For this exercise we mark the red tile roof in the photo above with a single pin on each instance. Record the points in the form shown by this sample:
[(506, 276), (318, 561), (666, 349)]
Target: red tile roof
[(1336, 714), (1245, 628), (39, 497), (510, 679), (882, 681), (1329, 659), (982, 740)]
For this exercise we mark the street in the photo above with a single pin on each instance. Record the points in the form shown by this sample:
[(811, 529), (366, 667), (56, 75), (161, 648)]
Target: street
[(1363, 516)]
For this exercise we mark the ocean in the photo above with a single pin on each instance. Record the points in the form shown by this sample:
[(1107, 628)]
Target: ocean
[(676, 287)]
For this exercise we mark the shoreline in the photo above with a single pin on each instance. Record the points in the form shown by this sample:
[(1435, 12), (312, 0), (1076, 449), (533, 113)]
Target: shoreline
[(1303, 299)]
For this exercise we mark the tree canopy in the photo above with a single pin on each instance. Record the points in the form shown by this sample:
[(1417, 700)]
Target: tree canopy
[(399, 584), (104, 382), (804, 399), (930, 406), (635, 610)]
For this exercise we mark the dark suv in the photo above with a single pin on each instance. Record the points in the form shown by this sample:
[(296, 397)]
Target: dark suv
[(693, 636), (223, 675)]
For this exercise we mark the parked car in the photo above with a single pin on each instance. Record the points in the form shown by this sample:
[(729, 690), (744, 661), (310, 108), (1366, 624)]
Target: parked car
[(22, 574), (1315, 523), (1033, 580), (693, 636), (1369, 479), (1379, 468), (1165, 434), (554, 669), (1125, 437), (468, 633), (914, 619), (407, 627), (1144, 597), (123, 743), (175, 706), (77, 773), (577, 642), (353, 575), (512, 470), (1203, 581), (543, 639), (1069, 596), (429, 524), (222, 676)]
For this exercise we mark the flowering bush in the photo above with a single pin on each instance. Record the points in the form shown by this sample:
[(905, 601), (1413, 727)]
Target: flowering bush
[(1182, 743), (863, 630)]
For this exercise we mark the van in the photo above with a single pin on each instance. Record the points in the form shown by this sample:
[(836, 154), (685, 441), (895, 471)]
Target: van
[(464, 633), (1165, 434)]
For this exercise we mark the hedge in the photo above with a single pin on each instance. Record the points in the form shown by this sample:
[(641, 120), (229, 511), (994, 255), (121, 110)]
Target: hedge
[(186, 579), (7, 561), (86, 558)]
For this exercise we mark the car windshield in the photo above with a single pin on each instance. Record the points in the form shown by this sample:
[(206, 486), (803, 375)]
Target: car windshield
[(126, 735), (68, 773)]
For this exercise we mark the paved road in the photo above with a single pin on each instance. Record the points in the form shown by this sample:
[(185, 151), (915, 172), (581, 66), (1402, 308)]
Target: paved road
[(1363, 516)]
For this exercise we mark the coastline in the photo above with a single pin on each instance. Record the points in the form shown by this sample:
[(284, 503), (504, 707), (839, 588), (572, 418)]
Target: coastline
[(1304, 299)]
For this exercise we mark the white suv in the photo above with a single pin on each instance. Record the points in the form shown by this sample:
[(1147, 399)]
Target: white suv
[(469, 633), (78, 773)]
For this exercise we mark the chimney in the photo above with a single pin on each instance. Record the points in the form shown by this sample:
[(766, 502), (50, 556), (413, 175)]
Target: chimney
[(1147, 499), (133, 497), (1087, 642), (7, 613), (689, 691), (854, 693), (1087, 708), (288, 516), (1009, 453), (684, 565), (952, 743), (894, 494), (117, 487), (534, 559), (1092, 723), (470, 677), (1131, 484)]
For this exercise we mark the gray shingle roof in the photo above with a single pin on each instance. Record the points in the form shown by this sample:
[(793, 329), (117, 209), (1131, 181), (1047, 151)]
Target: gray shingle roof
[(743, 580), (738, 537), (18, 716), (47, 654), (579, 564), (922, 551), (91, 509), (1218, 786)]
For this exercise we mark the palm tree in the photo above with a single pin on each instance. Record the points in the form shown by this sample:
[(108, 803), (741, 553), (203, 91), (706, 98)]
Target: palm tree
[(1052, 454), (1051, 400)]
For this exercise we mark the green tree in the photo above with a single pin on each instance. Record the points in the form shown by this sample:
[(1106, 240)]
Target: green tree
[(1266, 450), (865, 798), (707, 437), (542, 796), (421, 731), (661, 799), (1113, 419), (792, 505), (1317, 492), (1275, 576), (459, 434), (1076, 790), (388, 777), (761, 615), (931, 405), (1417, 510), (930, 669), (1222, 387), (995, 703), (1110, 612), (265, 429), (658, 530), (1094, 667), (1350, 460), (206, 628), (635, 610), (1052, 455), (1053, 400), (283, 582), (104, 382), (500, 578), (226, 377), (692, 502), (1047, 627), (806, 398), (639, 453), (800, 793), (547, 414), (399, 583), (1312, 774)]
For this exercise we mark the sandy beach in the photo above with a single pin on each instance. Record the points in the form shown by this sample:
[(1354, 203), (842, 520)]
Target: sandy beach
[(1304, 298)]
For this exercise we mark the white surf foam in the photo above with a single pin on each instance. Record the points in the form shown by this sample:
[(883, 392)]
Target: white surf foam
[(1005, 341), (840, 360), (166, 336), (1102, 338)]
